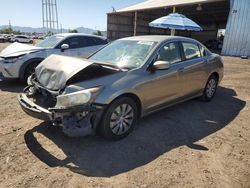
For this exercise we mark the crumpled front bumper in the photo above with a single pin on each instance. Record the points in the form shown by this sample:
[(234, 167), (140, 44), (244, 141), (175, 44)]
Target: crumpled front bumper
[(33, 109), (76, 121)]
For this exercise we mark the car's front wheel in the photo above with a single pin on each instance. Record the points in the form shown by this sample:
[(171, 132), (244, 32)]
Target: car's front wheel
[(30, 69), (210, 88), (119, 119)]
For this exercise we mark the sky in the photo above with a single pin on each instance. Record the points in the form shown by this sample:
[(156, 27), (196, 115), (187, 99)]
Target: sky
[(71, 13)]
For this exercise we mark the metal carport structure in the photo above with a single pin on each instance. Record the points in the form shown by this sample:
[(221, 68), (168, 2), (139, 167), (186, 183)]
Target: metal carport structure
[(210, 14)]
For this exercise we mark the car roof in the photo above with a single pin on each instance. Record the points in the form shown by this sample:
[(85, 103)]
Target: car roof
[(157, 38), (79, 34)]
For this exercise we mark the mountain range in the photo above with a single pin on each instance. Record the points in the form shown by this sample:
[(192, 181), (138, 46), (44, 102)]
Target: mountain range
[(41, 30)]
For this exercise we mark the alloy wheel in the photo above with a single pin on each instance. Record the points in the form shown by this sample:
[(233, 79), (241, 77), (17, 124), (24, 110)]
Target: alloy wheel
[(211, 88), (121, 119)]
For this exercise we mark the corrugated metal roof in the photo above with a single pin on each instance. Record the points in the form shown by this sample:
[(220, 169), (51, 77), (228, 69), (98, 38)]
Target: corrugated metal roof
[(153, 4)]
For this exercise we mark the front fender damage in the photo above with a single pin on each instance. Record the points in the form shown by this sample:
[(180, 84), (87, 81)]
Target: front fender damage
[(76, 121)]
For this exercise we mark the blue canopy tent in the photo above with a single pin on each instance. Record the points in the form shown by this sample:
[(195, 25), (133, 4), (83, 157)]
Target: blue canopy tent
[(175, 21)]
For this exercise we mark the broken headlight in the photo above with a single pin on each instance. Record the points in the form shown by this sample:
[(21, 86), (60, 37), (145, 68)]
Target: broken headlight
[(78, 98)]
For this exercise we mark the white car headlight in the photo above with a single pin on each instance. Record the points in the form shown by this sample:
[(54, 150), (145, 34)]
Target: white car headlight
[(10, 60), (78, 98)]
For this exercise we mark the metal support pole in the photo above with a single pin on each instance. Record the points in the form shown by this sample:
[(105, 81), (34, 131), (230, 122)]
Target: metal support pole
[(50, 26), (173, 30), (46, 8), (43, 15), (52, 14), (135, 23), (57, 26)]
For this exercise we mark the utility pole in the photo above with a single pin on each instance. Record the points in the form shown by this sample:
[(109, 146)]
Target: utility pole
[(50, 16)]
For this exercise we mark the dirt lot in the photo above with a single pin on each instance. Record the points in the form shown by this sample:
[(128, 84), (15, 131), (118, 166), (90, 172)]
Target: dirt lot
[(194, 144)]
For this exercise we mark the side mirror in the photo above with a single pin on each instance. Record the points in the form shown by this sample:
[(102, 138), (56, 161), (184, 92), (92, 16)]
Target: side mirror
[(161, 65), (64, 47)]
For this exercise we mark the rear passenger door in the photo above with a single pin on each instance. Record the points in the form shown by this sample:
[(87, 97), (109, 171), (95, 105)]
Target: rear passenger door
[(192, 73)]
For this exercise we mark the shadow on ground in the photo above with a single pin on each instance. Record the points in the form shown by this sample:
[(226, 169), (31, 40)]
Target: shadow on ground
[(15, 86), (183, 124)]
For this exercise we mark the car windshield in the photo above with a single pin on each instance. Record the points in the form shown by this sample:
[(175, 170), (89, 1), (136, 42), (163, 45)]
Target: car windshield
[(50, 42), (124, 53)]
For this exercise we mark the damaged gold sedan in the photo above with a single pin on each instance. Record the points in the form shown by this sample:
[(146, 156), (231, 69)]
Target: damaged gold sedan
[(126, 80)]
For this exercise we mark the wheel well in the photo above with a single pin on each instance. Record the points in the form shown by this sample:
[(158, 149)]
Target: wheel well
[(216, 75), (134, 98), (27, 64)]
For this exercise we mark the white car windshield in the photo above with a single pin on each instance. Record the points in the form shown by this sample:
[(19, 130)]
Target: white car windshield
[(124, 53), (50, 42)]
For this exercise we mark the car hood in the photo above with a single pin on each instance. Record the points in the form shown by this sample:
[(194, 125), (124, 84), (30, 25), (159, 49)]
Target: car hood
[(17, 49), (54, 72)]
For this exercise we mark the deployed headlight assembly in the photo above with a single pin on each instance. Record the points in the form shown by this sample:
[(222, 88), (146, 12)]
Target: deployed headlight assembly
[(78, 98)]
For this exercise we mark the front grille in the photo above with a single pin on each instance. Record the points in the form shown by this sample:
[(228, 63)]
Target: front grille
[(42, 96), (45, 99)]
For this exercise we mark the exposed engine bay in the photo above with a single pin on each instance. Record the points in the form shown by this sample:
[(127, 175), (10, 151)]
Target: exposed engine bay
[(76, 120)]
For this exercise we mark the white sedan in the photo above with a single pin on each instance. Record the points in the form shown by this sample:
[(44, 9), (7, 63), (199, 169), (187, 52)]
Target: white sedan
[(22, 39)]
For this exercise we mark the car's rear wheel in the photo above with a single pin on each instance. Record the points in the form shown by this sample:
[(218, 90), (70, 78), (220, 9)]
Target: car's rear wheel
[(119, 119), (210, 88)]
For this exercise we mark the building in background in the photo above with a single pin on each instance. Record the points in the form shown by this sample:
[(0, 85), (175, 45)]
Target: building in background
[(212, 15)]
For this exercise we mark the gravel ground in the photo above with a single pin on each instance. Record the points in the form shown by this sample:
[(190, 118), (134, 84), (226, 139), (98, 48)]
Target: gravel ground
[(193, 144)]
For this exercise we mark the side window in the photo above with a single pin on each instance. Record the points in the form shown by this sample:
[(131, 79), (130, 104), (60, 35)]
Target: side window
[(191, 50), (203, 51), (86, 41), (73, 42), (100, 41), (170, 52), (90, 41)]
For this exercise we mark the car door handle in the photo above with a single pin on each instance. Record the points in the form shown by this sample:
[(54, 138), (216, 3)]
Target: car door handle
[(181, 69)]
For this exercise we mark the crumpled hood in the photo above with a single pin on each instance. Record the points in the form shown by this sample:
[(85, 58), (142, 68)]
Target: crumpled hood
[(56, 70), (17, 49)]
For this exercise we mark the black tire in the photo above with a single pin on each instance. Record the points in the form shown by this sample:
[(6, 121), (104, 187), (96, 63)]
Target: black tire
[(28, 71), (125, 125), (210, 88)]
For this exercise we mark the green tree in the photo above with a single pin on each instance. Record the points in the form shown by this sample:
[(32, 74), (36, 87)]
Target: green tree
[(98, 32), (73, 31), (6, 31), (50, 33)]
